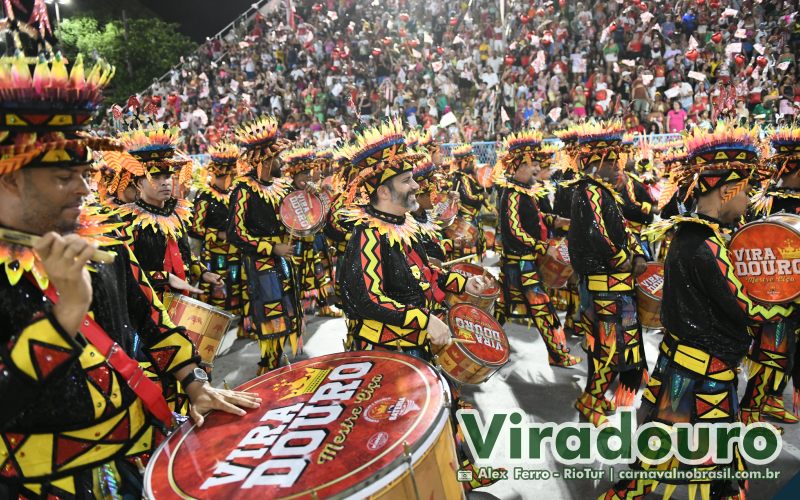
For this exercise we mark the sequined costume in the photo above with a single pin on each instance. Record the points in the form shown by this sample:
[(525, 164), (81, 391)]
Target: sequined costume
[(524, 230), (705, 312), (271, 305), (772, 358), (599, 245), (472, 196), (314, 280), (219, 256), (637, 208), (388, 288)]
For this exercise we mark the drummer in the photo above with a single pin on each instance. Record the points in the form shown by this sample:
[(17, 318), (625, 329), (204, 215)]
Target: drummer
[(607, 258), (639, 207), (771, 360), (210, 226), (271, 303), (524, 233), (427, 176), (156, 223), (313, 279), (390, 293), (72, 427), (705, 311), (473, 198)]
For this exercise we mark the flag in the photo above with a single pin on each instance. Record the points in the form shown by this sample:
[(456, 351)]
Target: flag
[(503, 115), (290, 14)]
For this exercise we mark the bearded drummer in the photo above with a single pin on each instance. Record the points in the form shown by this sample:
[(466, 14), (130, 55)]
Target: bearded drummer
[(705, 311), (607, 258), (390, 293), (210, 226), (72, 425), (313, 278), (524, 229), (771, 360), (271, 303)]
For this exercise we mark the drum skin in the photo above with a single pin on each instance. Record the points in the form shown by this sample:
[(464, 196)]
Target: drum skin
[(766, 258), (205, 324), (556, 272), (302, 212), (462, 230), (649, 290), (486, 299), (335, 426), (473, 363)]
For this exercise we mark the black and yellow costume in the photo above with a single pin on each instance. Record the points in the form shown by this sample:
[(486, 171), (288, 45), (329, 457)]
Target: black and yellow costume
[(70, 425), (218, 255), (472, 196), (599, 245), (772, 358), (524, 230), (638, 209), (705, 313), (271, 306)]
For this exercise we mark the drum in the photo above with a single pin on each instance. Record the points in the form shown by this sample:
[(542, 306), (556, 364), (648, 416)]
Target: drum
[(463, 230), (445, 212), (486, 299), (205, 324), (348, 425), (485, 351), (649, 288), (556, 272), (302, 212), (766, 258)]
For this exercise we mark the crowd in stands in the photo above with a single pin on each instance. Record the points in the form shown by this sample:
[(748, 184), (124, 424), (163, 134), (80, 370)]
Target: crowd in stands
[(480, 72)]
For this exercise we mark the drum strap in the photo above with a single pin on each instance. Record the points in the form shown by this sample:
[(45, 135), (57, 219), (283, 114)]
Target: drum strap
[(129, 369), (173, 260), (415, 259)]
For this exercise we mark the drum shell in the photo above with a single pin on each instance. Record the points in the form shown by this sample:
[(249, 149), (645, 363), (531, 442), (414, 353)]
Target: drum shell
[(555, 272), (359, 469), (461, 364), (462, 229), (484, 301), (205, 324), (773, 280), (312, 208), (648, 303)]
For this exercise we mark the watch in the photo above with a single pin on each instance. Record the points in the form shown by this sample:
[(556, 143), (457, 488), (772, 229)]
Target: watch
[(198, 374)]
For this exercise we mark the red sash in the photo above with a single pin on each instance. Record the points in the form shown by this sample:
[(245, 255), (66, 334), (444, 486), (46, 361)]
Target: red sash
[(129, 369)]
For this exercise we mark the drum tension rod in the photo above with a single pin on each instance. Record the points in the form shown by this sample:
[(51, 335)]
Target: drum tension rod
[(407, 456), (286, 359)]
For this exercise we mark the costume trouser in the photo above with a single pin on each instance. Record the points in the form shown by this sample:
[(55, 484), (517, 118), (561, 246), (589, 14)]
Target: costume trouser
[(314, 271), (524, 297), (769, 365), (272, 309), (229, 267), (613, 342), (688, 386)]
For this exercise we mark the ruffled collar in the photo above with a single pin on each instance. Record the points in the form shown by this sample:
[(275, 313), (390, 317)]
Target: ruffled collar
[(170, 220), (657, 230), (215, 193), (273, 191), (397, 228), (16, 260), (537, 191), (427, 227)]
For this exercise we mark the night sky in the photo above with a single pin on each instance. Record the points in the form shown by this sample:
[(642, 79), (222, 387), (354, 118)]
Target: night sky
[(198, 18)]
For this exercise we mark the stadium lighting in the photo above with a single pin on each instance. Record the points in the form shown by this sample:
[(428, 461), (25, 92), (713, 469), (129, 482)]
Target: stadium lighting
[(58, 11)]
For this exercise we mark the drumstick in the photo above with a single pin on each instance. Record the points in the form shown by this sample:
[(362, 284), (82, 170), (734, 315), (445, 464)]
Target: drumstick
[(460, 259), (463, 341), (29, 240)]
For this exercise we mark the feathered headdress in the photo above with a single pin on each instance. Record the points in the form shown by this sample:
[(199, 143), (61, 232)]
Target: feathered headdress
[(728, 154), (260, 141), (46, 102), (785, 150), (597, 142), (525, 144), (224, 156), (380, 154), (297, 160)]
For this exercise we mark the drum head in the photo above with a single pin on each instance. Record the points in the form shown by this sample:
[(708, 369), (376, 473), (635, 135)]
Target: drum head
[(334, 425), (651, 281), (471, 323), (302, 212), (766, 258), (469, 270)]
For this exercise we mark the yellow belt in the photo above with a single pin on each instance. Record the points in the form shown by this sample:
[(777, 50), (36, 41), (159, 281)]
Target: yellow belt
[(696, 360), (616, 282)]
